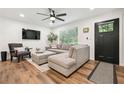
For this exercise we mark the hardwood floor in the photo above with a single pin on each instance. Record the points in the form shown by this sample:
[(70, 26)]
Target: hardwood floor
[(24, 72), (120, 74)]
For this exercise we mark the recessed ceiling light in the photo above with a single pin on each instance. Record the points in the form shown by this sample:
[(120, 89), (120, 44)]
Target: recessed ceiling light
[(92, 8), (22, 15)]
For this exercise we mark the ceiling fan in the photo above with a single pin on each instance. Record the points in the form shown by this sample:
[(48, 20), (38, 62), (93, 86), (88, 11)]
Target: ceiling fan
[(52, 16)]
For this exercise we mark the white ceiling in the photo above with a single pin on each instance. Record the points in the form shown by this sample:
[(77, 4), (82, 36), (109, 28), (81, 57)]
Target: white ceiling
[(73, 14)]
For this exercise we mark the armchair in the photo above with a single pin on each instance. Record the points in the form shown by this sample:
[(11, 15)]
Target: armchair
[(15, 53)]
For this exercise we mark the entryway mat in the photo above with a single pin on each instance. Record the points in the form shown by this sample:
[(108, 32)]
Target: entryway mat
[(104, 73)]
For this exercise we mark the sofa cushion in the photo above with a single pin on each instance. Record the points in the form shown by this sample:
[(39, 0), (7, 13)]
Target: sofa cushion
[(57, 50), (77, 48), (62, 60), (40, 56), (23, 53)]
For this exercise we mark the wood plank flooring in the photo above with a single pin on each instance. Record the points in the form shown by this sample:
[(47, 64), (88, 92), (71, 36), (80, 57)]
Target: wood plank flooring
[(21, 73), (24, 72), (120, 74)]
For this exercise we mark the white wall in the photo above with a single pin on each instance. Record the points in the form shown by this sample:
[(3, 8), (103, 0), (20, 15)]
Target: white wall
[(89, 22), (11, 32)]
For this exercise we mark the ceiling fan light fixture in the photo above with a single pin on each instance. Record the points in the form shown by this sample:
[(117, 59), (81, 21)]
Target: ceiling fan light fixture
[(22, 15), (52, 18)]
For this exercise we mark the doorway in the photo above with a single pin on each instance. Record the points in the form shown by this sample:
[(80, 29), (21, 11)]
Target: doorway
[(107, 41)]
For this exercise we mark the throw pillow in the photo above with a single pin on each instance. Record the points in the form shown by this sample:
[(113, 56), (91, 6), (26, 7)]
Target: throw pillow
[(67, 47), (18, 49), (71, 49), (59, 46), (53, 46), (63, 46), (74, 53)]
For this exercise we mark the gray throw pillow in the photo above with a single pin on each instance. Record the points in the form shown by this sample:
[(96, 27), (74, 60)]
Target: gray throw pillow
[(71, 49)]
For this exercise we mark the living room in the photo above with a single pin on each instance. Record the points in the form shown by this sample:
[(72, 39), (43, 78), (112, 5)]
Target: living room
[(14, 21)]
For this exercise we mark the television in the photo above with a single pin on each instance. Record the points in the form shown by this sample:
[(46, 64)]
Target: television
[(30, 34)]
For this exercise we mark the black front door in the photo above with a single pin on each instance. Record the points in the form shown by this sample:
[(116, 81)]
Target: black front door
[(107, 41)]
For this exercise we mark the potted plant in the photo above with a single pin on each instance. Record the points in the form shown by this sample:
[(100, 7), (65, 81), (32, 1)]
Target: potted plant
[(52, 37)]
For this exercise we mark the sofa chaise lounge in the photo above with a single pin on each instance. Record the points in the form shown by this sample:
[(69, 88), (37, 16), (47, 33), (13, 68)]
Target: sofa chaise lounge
[(67, 63)]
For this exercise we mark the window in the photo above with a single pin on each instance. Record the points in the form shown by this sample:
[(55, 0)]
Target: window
[(106, 27), (69, 36)]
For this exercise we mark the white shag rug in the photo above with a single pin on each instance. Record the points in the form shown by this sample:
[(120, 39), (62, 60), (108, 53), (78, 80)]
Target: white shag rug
[(42, 68)]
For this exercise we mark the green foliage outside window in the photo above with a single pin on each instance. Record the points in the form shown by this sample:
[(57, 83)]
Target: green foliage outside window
[(69, 36), (106, 27)]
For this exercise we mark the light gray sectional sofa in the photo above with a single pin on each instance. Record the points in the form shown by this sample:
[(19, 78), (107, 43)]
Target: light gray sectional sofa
[(66, 63)]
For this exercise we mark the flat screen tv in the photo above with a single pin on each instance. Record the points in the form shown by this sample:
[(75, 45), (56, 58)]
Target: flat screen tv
[(30, 34)]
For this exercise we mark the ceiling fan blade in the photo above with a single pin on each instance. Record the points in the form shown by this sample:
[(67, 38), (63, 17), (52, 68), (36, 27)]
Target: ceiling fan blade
[(45, 18), (59, 19), (42, 14), (52, 12), (50, 9), (63, 14)]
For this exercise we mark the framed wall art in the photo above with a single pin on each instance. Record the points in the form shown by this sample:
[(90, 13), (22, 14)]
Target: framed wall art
[(86, 29)]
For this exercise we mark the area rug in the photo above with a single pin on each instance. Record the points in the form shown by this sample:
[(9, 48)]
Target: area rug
[(104, 73), (42, 68)]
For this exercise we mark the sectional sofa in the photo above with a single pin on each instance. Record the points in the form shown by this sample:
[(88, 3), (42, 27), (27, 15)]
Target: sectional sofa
[(67, 62)]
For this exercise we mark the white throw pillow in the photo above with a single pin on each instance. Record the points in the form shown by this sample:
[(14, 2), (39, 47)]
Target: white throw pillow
[(53, 46), (19, 49)]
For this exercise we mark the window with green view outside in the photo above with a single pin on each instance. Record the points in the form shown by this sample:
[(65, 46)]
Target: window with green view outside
[(69, 36), (106, 27)]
